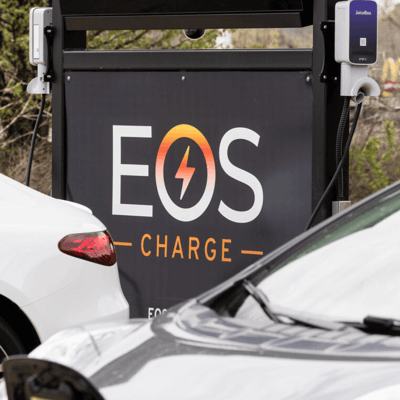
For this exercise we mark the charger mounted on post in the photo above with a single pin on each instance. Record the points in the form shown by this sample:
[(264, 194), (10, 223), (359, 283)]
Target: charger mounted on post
[(356, 47), (40, 55), (40, 33)]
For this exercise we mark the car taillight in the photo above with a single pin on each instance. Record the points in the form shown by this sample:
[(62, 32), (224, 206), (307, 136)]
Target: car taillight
[(97, 247)]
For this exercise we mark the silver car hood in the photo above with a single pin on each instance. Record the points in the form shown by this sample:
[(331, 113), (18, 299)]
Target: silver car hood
[(195, 354)]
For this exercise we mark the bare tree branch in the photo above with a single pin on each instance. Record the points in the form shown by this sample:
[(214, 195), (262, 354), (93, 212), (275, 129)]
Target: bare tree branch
[(17, 117), (391, 19), (127, 43), (8, 142)]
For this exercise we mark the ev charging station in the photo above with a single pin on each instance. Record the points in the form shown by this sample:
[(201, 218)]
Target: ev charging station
[(200, 162)]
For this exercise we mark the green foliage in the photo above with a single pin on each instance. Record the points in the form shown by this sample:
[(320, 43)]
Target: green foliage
[(376, 164), (5, 149), (256, 38), (143, 39), (17, 107)]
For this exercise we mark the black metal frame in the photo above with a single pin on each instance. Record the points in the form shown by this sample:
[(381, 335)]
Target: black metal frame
[(200, 60), (181, 14), (328, 105), (70, 53), (284, 20)]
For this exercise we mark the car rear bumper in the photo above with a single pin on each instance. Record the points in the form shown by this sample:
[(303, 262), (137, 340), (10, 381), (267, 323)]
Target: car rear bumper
[(95, 296)]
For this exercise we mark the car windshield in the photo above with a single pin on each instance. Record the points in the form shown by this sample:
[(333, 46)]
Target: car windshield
[(345, 272)]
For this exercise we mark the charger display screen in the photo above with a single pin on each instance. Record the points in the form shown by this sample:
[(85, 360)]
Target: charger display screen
[(363, 31)]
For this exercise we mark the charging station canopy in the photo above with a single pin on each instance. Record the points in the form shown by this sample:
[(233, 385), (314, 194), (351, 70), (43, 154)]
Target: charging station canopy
[(182, 14)]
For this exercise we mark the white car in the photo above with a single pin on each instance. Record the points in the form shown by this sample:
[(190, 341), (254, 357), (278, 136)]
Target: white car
[(58, 268), (317, 319)]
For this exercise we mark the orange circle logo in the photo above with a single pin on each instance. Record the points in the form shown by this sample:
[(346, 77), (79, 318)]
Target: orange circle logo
[(185, 173)]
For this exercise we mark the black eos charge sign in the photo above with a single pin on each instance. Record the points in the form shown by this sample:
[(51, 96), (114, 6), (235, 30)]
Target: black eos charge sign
[(196, 174)]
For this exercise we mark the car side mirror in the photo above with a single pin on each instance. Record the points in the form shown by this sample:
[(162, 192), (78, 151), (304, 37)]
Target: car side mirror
[(28, 378)]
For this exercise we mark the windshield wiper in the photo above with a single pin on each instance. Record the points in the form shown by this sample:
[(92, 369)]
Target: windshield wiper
[(386, 326), (273, 311), (261, 298), (308, 320)]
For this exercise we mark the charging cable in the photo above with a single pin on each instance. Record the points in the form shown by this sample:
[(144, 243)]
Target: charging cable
[(340, 165), (339, 146), (35, 130)]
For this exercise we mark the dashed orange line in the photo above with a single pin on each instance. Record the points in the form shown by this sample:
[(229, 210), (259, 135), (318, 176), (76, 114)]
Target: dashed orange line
[(122, 244), (256, 253)]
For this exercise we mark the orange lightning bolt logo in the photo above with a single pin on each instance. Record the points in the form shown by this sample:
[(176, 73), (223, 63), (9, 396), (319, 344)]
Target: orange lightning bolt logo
[(185, 173)]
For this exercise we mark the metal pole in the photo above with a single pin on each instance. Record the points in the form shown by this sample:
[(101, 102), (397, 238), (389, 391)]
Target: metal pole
[(61, 40), (328, 105)]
